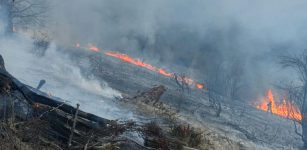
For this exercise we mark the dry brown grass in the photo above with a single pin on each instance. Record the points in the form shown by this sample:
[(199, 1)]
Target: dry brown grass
[(25, 136)]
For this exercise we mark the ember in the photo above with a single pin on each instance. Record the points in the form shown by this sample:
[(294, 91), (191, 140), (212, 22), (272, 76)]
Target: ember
[(284, 109)]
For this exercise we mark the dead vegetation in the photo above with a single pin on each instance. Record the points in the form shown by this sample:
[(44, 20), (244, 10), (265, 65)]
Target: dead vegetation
[(177, 135), (53, 131), (187, 134), (156, 138), (26, 135)]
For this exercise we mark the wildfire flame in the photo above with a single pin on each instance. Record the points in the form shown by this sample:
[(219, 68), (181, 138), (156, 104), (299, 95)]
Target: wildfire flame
[(89, 46), (139, 63), (163, 72), (93, 48), (284, 109)]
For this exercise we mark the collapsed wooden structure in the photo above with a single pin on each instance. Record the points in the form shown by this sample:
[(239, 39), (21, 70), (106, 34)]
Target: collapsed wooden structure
[(67, 126)]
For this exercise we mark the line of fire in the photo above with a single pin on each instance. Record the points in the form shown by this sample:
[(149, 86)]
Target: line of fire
[(284, 108), (139, 63)]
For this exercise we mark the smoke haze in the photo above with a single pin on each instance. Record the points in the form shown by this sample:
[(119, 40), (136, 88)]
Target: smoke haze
[(198, 35), (194, 38), (63, 78)]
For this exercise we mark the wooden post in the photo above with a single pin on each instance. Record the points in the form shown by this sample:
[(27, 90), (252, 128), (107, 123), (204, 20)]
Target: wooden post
[(73, 127)]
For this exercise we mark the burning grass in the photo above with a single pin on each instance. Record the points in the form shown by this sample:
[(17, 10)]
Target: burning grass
[(139, 63), (142, 64)]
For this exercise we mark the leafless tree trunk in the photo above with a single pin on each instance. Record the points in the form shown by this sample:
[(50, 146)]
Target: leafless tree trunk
[(299, 94), (6, 14), (214, 90), (22, 13), (233, 80)]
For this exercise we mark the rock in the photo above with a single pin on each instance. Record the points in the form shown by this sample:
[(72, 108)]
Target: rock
[(152, 96)]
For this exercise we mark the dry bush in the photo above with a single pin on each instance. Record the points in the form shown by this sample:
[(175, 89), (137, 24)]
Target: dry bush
[(195, 139), (181, 131), (187, 134), (153, 129), (156, 139)]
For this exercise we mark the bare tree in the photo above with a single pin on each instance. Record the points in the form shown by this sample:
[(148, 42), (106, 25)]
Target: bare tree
[(298, 93), (23, 13), (6, 7), (213, 85), (224, 82), (233, 82), (182, 83), (183, 86)]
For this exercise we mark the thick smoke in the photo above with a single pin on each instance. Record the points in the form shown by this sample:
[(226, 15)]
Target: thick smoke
[(198, 35), (63, 78)]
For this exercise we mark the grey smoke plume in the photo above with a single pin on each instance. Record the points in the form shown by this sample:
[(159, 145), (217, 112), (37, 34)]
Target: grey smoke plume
[(64, 79), (196, 34)]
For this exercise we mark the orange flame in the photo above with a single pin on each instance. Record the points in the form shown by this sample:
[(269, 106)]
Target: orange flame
[(163, 72), (285, 109), (200, 86), (140, 63), (93, 48), (90, 47)]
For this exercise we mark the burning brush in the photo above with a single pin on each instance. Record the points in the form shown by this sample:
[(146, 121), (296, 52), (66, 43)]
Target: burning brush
[(285, 108)]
